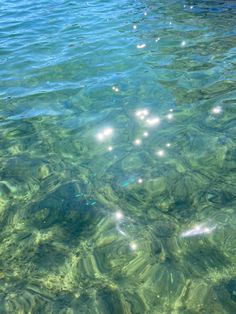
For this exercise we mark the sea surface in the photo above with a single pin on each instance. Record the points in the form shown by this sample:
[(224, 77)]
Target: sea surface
[(117, 157)]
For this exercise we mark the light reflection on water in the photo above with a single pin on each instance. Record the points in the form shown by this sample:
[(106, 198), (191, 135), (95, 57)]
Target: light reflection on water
[(117, 182)]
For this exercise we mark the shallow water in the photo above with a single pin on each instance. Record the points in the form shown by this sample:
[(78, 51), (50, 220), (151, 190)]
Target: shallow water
[(117, 149)]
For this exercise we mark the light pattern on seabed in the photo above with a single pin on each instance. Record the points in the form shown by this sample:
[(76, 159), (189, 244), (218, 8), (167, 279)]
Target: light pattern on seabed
[(117, 150)]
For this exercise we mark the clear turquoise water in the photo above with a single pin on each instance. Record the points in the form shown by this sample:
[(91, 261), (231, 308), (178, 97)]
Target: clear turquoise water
[(117, 157)]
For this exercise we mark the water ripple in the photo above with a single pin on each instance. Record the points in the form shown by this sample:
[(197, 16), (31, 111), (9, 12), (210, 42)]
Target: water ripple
[(117, 156)]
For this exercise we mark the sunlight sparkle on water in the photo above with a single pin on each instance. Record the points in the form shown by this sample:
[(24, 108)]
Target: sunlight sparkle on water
[(133, 246), (116, 89), (138, 141), (216, 110), (160, 153), (199, 229), (141, 114), (153, 121), (141, 46), (140, 180), (100, 136), (107, 131), (170, 116), (103, 135), (119, 215), (145, 134)]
